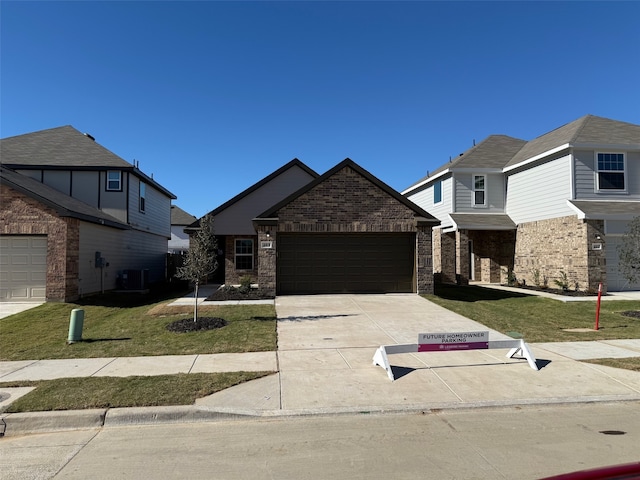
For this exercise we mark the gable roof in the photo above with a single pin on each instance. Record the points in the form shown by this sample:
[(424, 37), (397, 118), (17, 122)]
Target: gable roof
[(65, 148), (347, 162), (64, 205), (587, 130), (610, 210), (493, 152), (256, 186), (180, 217)]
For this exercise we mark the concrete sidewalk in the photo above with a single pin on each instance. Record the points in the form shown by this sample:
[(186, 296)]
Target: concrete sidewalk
[(324, 366)]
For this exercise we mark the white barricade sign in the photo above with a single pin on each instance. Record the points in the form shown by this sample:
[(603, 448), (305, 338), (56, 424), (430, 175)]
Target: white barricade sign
[(452, 341)]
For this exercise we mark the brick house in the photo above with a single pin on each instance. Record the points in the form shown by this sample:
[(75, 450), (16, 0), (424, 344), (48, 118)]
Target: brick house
[(342, 232), (76, 219), (558, 203)]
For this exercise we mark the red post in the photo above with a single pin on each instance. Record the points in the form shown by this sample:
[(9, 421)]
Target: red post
[(598, 306)]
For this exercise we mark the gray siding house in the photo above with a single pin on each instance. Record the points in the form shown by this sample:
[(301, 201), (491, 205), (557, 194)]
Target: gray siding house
[(179, 241), (77, 219), (558, 203)]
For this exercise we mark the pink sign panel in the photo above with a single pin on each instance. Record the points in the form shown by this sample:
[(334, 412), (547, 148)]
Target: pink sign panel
[(439, 342)]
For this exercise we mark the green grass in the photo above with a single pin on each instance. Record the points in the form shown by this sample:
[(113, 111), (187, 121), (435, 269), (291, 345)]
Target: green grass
[(631, 363), (133, 325), (112, 392), (539, 319)]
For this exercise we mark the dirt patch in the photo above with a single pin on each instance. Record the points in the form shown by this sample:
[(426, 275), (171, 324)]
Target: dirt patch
[(202, 323), (631, 313)]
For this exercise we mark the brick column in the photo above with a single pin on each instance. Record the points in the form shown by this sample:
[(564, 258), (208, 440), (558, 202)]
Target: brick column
[(424, 273), (267, 244), (447, 257), (462, 257)]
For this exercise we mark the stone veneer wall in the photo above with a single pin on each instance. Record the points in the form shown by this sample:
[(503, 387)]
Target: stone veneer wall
[(347, 202), (22, 215), (231, 275), (560, 244)]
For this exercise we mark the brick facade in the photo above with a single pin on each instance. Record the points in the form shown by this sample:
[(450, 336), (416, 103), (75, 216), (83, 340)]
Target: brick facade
[(22, 215), (347, 202), (560, 245), (231, 275)]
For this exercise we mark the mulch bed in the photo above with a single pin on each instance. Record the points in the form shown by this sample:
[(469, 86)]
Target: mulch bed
[(631, 313), (202, 323), (232, 293)]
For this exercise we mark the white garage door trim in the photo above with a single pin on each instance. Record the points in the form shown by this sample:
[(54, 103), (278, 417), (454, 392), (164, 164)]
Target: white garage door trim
[(23, 268), (615, 280)]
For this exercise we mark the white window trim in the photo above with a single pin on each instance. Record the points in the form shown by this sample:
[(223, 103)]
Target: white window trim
[(610, 191), (119, 189), (473, 191), (236, 255), (434, 192)]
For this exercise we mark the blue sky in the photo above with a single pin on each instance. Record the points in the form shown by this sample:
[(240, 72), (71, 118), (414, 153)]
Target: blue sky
[(210, 97)]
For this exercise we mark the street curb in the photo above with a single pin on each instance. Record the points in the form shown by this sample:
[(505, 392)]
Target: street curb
[(39, 422), (15, 424)]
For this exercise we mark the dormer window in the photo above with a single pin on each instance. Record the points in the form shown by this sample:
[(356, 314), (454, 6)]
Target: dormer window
[(611, 172), (114, 181)]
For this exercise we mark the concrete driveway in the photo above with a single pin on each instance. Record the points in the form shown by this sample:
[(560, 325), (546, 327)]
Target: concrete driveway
[(11, 308), (326, 344)]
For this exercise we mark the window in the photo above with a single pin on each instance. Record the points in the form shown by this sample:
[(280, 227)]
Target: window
[(244, 254), (114, 181), (479, 196), (611, 171), (437, 192), (143, 193)]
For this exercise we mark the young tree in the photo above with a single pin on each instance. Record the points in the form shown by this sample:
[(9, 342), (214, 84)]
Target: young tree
[(629, 252), (201, 258)]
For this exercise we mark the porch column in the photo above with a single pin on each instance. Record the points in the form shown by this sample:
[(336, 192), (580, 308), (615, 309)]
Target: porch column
[(447, 256), (462, 257)]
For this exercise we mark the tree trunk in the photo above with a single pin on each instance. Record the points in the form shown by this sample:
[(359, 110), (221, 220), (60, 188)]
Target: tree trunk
[(195, 305)]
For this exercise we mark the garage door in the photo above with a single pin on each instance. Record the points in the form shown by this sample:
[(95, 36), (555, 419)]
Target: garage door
[(23, 268), (615, 280), (345, 263)]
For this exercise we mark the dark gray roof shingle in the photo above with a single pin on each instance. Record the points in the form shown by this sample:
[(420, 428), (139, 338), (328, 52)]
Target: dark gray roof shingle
[(180, 217), (495, 151), (483, 221), (585, 130), (57, 147)]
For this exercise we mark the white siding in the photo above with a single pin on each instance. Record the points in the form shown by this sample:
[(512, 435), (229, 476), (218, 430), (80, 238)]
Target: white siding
[(236, 219), (114, 203), (540, 192), (424, 199), (122, 250), (157, 215), (585, 176), (494, 193), (179, 240)]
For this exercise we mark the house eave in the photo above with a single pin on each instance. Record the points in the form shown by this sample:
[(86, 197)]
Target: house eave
[(537, 157)]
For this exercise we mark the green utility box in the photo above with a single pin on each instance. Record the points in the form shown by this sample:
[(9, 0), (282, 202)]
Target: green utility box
[(76, 322)]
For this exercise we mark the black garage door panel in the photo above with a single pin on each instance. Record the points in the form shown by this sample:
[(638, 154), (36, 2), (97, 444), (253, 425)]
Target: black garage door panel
[(345, 263)]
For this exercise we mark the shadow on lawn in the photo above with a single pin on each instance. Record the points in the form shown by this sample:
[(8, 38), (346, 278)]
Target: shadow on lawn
[(133, 299), (473, 293), (92, 340)]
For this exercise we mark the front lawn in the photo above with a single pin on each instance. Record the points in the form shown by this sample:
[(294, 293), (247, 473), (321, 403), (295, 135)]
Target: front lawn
[(133, 325), (539, 319)]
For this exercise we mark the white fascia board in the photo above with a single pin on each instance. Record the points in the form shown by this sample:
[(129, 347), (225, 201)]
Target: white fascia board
[(607, 146), (580, 213), (424, 182), (477, 170), (538, 157)]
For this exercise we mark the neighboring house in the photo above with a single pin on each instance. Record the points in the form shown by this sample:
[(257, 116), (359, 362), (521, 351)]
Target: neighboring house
[(77, 219), (179, 241), (558, 203), (342, 232)]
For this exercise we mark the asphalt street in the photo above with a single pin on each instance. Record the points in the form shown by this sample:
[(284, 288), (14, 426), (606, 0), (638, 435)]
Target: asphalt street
[(488, 443)]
